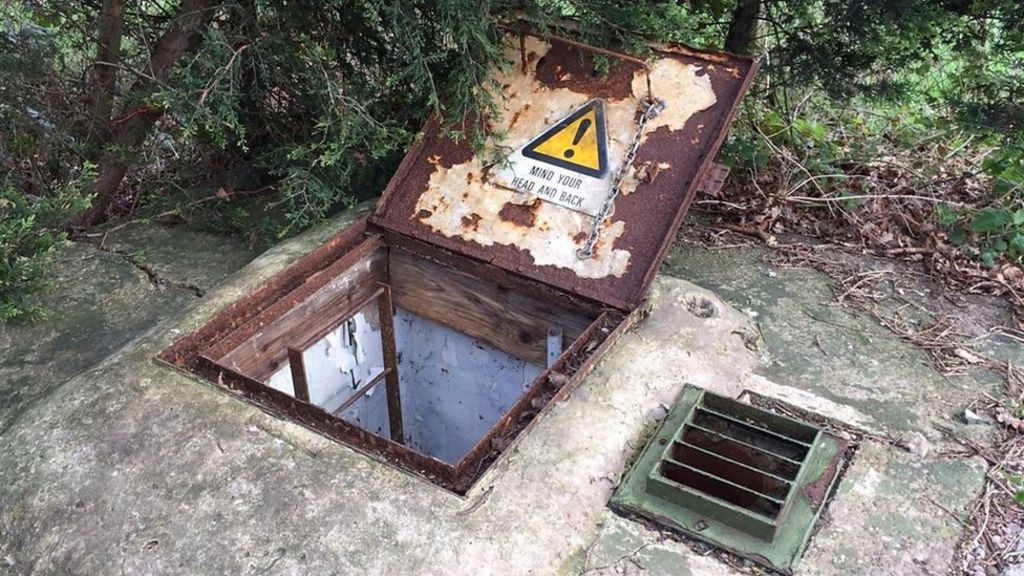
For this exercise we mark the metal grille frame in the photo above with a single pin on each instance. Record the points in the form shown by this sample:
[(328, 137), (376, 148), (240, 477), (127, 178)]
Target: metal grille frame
[(739, 477)]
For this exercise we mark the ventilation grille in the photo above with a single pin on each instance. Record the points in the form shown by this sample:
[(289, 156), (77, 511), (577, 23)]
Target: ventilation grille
[(744, 457), (744, 478)]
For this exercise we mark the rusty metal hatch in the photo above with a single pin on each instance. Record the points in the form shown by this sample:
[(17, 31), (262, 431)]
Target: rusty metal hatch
[(444, 193), (740, 477), (449, 250)]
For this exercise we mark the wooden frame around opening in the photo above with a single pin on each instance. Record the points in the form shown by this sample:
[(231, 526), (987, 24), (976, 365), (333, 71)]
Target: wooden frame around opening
[(200, 352), (300, 379)]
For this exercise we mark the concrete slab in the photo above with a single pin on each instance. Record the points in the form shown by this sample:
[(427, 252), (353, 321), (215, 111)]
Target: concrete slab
[(134, 468), (101, 302), (836, 352), (896, 514), (182, 255), (623, 547)]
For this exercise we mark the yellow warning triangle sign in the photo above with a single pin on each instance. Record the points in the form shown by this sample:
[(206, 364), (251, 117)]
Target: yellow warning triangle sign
[(578, 143)]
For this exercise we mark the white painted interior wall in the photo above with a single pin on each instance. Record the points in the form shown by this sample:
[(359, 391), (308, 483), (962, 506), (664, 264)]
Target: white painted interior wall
[(371, 412), (454, 388), (342, 362)]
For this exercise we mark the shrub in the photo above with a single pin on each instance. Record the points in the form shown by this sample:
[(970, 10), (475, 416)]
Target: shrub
[(31, 243)]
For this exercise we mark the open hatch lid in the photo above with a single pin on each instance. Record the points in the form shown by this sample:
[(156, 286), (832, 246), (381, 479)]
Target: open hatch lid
[(564, 125)]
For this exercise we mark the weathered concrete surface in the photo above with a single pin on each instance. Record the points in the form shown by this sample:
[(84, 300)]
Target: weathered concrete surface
[(134, 468), (895, 513), (101, 302), (624, 547), (181, 255), (839, 354)]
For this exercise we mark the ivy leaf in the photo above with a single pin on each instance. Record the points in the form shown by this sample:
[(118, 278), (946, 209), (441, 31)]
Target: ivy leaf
[(988, 257), (990, 220), (946, 215), (1016, 247)]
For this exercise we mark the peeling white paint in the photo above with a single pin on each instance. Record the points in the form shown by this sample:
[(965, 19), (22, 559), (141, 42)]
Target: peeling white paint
[(461, 194)]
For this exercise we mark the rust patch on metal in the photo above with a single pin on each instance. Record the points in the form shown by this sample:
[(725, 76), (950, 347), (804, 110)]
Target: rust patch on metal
[(515, 117), (524, 215), (471, 221), (817, 491), (683, 50), (714, 180), (186, 351), (644, 221), (568, 67)]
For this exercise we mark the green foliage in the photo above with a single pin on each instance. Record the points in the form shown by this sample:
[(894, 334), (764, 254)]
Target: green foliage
[(1017, 483), (322, 98), (992, 232), (41, 174), (31, 242), (997, 230), (289, 111)]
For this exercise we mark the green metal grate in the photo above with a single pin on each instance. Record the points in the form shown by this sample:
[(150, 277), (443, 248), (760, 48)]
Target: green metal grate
[(742, 478)]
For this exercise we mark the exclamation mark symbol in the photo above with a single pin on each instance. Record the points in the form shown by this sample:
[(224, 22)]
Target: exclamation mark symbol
[(579, 136)]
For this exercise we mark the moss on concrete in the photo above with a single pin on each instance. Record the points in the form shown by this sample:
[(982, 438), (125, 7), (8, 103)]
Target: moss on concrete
[(894, 514), (833, 351)]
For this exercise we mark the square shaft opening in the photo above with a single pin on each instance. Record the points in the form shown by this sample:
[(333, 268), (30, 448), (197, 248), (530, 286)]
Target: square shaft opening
[(433, 364)]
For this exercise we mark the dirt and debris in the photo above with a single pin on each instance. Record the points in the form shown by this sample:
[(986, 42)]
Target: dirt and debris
[(993, 542), (883, 208)]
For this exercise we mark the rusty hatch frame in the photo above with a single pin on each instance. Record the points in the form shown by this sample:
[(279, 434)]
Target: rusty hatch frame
[(660, 203), (197, 353)]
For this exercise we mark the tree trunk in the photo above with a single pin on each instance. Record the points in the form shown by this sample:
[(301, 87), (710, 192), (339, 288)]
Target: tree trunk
[(743, 27), (130, 130), (108, 58)]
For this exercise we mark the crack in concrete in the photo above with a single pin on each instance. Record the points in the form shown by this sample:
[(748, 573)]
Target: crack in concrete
[(630, 558), (150, 273)]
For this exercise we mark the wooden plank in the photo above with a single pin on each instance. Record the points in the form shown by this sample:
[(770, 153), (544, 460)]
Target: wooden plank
[(508, 320), (300, 385), (265, 352), (307, 285), (489, 272), (387, 337), (311, 338)]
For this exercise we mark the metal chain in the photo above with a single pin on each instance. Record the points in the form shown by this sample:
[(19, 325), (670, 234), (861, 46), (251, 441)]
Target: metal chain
[(652, 107)]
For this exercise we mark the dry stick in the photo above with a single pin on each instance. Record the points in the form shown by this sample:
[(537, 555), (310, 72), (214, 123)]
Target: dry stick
[(950, 512), (904, 251), (217, 75), (755, 232), (866, 276), (829, 200), (174, 211), (809, 180), (790, 158)]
